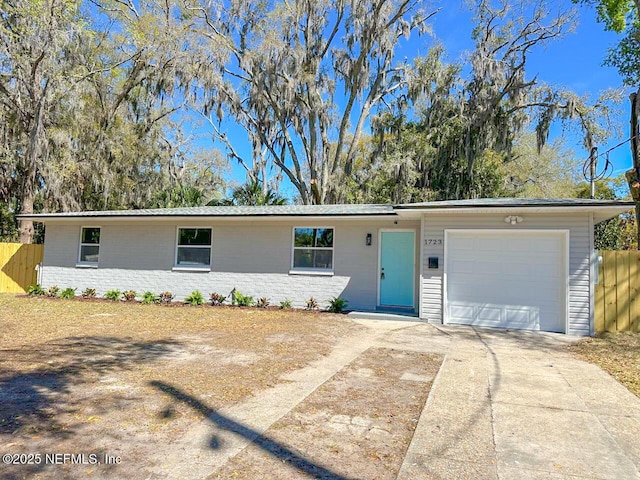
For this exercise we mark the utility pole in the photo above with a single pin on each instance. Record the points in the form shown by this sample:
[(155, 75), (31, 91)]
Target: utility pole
[(593, 159), (633, 175)]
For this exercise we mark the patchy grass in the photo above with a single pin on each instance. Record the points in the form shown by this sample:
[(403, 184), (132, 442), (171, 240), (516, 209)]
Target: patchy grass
[(80, 376), (202, 347), (616, 353)]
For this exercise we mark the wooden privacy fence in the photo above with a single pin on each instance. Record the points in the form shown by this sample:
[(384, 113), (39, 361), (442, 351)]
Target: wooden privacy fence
[(617, 299), (18, 266)]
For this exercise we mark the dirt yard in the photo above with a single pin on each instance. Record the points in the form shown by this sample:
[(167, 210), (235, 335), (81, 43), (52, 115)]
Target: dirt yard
[(106, 380), (357, 425), (616, 353), (78, 376)]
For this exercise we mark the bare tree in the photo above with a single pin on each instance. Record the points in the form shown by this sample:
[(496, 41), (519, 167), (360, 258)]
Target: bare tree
[(302, 79), (86, 99), (467, 117), (501, 99), (38, 63)]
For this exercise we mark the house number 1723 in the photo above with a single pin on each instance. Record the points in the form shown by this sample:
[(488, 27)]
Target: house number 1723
[(433, 241)]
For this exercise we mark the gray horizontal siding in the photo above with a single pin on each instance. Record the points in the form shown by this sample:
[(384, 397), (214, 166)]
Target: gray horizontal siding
[(434, 226)]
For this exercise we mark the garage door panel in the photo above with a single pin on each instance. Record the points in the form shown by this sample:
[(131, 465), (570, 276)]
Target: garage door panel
[(484, 268), (552, 271), (518, 317), (479, 289), (461, 243), (462, 266), (547, 244), (489, 313), (523, 317), (509, 280), (461, 312)]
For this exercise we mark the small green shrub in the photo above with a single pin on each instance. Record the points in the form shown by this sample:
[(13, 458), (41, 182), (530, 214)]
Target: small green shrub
[(89, 293), (263, 302), (337, 305), (149, 298), (286, 305), (68, 293), (113, 295), (242, 300), (34, 290), (129, 295), (53, 291), (195, 298), (216, 298), (166, 297), (312, 304), (233, 297)]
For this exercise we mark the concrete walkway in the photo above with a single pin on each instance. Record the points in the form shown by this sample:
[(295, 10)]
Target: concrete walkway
[(233, 428), (515, 405)]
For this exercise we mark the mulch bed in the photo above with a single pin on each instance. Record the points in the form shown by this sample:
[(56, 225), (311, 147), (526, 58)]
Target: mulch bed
[(176, 304)]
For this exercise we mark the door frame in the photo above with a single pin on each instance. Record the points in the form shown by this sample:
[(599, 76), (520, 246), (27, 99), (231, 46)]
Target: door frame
[(564, 234), (413, 277)]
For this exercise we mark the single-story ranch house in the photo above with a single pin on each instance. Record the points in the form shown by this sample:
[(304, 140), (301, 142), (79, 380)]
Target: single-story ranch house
[(513, 263)]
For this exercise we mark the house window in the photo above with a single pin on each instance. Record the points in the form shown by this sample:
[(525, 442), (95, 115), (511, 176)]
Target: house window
[(313, 248), (89, 245), (194, 247)]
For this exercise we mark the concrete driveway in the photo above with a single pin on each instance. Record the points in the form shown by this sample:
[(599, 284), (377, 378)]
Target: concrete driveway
[(516, 405)]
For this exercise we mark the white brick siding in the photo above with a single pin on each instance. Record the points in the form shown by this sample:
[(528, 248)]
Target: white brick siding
[(254, 257), (275, 286)]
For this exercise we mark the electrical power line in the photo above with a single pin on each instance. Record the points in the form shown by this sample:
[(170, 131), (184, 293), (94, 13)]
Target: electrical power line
[(607, 170)]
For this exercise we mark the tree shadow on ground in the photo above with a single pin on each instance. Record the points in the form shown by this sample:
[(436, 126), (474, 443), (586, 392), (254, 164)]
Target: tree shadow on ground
[(530, 340), (37, 382), (281, 452)]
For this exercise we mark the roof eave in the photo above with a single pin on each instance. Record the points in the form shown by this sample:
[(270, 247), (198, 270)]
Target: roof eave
[(44, 218), (600, 212), (550, 205), (620, 208)]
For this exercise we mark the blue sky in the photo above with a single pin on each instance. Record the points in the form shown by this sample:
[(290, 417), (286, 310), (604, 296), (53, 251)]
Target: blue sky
[(573, 62)]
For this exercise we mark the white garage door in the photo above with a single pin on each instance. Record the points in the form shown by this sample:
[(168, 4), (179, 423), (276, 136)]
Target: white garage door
[(506, 279)]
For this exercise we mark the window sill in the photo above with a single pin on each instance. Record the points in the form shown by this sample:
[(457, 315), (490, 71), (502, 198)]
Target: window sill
[(319, 273), (183, 268), (86, 265)]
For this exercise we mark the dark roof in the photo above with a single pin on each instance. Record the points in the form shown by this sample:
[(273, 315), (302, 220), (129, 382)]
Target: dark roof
[(336, 210), (230, 211), (515, 202)]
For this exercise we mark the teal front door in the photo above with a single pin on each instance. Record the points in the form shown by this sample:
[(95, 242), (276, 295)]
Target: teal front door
[(396, 268)]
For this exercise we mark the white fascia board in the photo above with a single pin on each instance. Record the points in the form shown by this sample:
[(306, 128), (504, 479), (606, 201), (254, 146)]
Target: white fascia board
[(601, 212), (204, 218)]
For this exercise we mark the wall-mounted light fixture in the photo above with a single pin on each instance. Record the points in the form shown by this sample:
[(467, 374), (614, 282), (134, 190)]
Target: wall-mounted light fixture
[(513, 219), (368, 241)]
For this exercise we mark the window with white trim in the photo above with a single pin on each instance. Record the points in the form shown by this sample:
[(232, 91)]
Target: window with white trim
[(193, 249), (312, 248), (89, 245)]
